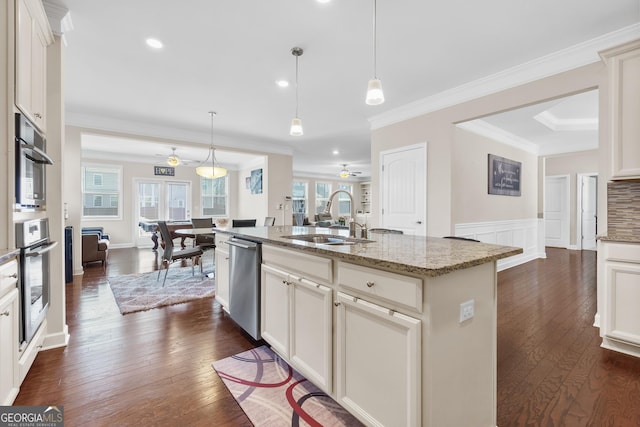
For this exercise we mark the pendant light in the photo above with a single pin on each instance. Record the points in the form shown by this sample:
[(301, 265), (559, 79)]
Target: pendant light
[(374, 89), (213, 171), (296, 123)]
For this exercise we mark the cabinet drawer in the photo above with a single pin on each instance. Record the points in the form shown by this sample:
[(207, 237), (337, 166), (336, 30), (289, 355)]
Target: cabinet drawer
[(8, 276), (309, 266), (377, 284), (625, 252)]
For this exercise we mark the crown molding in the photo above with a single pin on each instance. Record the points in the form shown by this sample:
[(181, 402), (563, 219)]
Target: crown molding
[(557, 124), (140, 129), (483, 128), (579, 55), (59, 18)]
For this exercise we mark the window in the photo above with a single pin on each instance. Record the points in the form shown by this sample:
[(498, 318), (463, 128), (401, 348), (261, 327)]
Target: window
[(323, 191), (101, 191), (344, 202), (299, 197), (214, 196)]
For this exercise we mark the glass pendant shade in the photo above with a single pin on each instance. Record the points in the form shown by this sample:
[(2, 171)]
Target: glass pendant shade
[(296, 127), (375, 96), (211, 172)]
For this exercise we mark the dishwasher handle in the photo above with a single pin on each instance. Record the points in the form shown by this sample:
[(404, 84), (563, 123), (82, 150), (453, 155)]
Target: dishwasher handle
[(240, 245)]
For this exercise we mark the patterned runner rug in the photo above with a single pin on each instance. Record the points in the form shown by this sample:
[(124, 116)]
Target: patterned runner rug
[(139, 292), (271, 393)]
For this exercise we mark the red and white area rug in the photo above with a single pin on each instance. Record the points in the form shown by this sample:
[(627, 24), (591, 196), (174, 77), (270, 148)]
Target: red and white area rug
[(271, 393)]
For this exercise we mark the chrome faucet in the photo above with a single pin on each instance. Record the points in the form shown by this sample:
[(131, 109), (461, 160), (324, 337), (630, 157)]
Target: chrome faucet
[(352, 220)]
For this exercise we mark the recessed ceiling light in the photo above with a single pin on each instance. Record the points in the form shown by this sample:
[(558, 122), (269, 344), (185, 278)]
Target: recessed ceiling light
[(323, 1), (282, 83), (154, 43), (336, 152)]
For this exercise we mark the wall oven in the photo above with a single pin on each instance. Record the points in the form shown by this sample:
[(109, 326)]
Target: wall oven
[(32, 237), (31, 161)]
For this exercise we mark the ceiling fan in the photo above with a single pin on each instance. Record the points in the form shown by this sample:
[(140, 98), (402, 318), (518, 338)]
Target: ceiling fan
[(346, 173), (174, 160)]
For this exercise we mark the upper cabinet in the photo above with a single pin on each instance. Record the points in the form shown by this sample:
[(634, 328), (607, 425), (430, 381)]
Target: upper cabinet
[(33, 35), (623, 68)]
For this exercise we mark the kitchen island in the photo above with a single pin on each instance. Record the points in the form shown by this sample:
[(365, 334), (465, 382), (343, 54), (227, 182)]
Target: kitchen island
[(400, 330)]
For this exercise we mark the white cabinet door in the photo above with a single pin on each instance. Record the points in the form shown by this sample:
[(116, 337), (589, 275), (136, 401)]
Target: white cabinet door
[(621, 296), (311, 332), (222, 277), (8, 347), (33, 36), (275, 309), (378, 363)]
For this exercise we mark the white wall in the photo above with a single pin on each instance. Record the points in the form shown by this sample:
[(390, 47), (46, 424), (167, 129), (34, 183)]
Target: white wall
[(437, 128)]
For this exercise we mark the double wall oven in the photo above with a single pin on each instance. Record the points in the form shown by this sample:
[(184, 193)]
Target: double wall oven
[(32, 238)]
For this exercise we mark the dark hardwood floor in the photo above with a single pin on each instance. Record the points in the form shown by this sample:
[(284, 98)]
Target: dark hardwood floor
[(154, 367)]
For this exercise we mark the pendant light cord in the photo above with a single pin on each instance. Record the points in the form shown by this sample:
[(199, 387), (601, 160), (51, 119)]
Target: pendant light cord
[(297, 85), (375, 74)]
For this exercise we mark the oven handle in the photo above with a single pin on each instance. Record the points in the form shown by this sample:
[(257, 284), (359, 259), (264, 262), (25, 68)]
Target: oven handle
[(44, 158), (44, 250)]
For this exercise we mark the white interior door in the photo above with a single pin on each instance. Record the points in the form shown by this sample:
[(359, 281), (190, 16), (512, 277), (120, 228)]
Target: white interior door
[(403, 188), (589, 211), (556, 211)]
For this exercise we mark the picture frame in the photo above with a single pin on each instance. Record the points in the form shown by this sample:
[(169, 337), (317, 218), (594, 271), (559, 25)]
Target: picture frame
[(504, 176), (164, 170), (256, 181)]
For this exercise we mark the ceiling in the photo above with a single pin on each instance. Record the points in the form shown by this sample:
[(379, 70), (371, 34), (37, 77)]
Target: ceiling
[(227, 56)]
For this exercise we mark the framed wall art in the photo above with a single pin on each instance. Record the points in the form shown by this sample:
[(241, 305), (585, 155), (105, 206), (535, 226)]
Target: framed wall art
[(504, 176), (256, 181)]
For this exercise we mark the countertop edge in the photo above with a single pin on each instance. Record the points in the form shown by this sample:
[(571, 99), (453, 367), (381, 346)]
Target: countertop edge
[(382, 264), (7, 254)]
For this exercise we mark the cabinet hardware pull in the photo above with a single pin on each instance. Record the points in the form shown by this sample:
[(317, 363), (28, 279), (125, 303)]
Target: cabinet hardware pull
[(14, 276), (6, 313), (370, 284), (336, 303), (38, 115)]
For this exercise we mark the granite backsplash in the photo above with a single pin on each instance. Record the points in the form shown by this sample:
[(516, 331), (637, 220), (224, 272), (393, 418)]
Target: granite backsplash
[(623, 208)]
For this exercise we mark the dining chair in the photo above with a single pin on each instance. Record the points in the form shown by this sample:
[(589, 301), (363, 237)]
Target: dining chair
[(243, 223), (169, 255), (269, 221), (205, 241)]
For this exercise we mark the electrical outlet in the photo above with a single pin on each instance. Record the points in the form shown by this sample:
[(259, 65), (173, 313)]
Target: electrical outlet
[(466, 310)]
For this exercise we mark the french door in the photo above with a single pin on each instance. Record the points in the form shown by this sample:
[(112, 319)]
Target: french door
[(159, 200)]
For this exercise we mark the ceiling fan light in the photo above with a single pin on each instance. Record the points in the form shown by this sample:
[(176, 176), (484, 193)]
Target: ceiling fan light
[(211, 172), (375, 96), (344, 174), (296, 127), (173, 160)]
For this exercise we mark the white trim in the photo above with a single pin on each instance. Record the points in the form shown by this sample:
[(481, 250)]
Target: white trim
[(557, 124), (579, 55), (579, 178), (566, 241), (495, 133), (523, 233)]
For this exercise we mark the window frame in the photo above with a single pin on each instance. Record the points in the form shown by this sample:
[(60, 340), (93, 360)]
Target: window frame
[(102, 169), (305, 199), (316, 205), (226, 197)]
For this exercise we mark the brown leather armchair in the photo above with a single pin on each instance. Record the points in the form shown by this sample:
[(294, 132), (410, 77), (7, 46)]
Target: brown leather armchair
[(94, 249)]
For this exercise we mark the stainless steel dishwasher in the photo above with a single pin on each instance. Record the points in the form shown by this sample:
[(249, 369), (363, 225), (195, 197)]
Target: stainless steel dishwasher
[(245, 257)]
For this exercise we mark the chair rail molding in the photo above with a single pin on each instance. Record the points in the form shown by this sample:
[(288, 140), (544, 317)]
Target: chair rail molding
[(527, 234)]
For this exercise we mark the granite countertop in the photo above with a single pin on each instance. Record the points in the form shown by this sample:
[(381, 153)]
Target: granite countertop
[(7, 254), (624, 238), (429, 256)]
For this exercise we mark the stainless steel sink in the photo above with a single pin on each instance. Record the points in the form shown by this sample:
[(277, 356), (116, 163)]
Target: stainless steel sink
[(326, 239)]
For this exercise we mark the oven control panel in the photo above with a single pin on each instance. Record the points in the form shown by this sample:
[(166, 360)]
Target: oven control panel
[(31, 232)]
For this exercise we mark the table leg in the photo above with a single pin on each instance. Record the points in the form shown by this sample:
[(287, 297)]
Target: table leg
[(154, 238)]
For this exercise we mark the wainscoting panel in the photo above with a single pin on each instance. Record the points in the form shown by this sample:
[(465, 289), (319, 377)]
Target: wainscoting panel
[(527, 234)]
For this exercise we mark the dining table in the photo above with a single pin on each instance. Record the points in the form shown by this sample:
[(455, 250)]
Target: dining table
[(192, 232)]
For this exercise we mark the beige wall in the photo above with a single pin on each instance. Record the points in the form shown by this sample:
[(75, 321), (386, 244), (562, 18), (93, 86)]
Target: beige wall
[(470, 201), (573, 164), (437, 129), (279, 178)]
